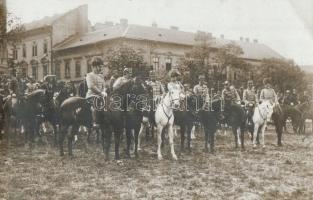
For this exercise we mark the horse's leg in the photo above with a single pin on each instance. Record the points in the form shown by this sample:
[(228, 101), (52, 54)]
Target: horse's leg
[(211, 134), (234, 130), (128, 141), (206, 139), (107, 134), (117, 138), (56, 133), (279, 132), (142, 129), (136, 130), (171, 141), (242, 137), (63, 132), (263, 133), (159, 134), (182, 137), (238, 132), (70, 139), (190, 127), (255, 134)]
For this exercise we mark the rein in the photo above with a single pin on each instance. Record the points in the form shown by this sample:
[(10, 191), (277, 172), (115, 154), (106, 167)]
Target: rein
[(162, 104)]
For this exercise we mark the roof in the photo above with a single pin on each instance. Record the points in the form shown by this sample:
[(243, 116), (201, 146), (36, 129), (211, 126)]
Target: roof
[(251, 50)]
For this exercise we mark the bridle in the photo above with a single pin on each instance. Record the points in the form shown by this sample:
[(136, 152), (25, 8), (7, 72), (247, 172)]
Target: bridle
[(169, 107)]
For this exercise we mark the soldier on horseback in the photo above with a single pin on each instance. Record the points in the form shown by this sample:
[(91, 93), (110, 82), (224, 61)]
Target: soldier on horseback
[(201, 90), (96, 86), (157, 88), (268, 93), (174, 83), (230, 97), (250, 99), (127, 75)]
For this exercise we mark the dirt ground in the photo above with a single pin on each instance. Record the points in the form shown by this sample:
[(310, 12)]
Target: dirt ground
[(271, 173)]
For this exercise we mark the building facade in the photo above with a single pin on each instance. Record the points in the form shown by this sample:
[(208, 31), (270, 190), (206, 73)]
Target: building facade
[(33, 55), (65, 44)]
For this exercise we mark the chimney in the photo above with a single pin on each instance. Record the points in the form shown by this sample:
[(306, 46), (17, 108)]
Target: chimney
[(222, 36), (255, 41), (123, 22), (154, 24), (241, 39), (174, 28), (247, 40)]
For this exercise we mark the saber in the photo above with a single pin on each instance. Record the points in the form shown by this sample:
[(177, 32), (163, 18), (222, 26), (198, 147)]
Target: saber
[(222, 104)]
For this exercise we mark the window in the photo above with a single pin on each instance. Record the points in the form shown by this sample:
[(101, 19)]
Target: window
[(34, 49), (168, 64), (89, 66), (67, 69), (77, 69), (35, 70), (24, 50), (156, 63), (57, 70), (15, 54), (45, 46), (45, 69)]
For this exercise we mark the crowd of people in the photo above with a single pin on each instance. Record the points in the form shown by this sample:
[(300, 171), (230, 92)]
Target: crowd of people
[(96, 83)]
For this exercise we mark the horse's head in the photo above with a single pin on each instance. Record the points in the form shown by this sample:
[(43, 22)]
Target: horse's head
[(267, 108), (175, 98)]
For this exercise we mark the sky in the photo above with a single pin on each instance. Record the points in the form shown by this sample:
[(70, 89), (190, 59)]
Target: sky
[(273, 22)]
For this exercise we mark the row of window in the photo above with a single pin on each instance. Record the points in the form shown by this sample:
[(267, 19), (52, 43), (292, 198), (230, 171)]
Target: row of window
[(67, 69), (156, 63), (34, 50)]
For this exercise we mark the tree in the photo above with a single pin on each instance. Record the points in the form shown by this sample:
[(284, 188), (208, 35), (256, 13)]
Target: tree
[(206, 58), (283, 74), (126, 56)]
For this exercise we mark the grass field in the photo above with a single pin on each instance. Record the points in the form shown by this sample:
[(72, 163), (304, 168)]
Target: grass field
[(271, 173)]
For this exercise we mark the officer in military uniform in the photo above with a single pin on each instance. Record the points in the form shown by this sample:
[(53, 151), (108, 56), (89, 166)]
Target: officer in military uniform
[(127, 75), (96, 86), (174, 82), (250, 99), (230, 97), (158, 90), (268, 93), (202, 91)]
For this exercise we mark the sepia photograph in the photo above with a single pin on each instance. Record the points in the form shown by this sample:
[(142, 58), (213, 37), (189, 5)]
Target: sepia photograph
[(156, 99)]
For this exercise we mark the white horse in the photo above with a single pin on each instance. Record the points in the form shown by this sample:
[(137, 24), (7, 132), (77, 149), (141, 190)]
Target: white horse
[(262, 114), (164, 118)]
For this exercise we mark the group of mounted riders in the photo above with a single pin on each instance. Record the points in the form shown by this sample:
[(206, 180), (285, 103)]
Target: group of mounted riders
[(30, 104)]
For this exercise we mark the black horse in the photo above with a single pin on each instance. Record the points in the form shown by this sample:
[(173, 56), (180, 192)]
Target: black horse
[(24, 112), (210, 118), (235, 117), (185, 118), (51, 108), (124, 110), (74, 112)]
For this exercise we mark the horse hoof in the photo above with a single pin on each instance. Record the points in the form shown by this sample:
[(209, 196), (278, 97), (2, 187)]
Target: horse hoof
[(139, 149), (174, 157), (263, 146), (254, 146), (62, 154), (160, 157)]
